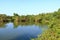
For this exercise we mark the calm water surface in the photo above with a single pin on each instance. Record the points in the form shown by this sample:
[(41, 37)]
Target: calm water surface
[(20, 32)]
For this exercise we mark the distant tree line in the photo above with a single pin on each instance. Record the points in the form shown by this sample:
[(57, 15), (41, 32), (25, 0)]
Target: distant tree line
[(44, 18)]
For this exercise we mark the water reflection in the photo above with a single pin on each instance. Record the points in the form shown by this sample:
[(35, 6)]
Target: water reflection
[(2, 24), (19, 31), (16, 24)]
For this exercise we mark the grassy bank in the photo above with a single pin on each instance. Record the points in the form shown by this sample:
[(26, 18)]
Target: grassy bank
[(53, 33)]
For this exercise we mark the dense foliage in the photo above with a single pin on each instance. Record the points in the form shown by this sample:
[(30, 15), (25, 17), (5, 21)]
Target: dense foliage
[(53, 33)]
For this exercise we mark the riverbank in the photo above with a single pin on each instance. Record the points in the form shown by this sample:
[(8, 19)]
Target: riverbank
[(51, 19)]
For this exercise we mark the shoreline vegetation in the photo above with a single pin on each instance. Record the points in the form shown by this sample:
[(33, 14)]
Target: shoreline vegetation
[(51, 19)]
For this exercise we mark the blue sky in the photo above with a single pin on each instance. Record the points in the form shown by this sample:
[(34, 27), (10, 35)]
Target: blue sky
[(28, 7)]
